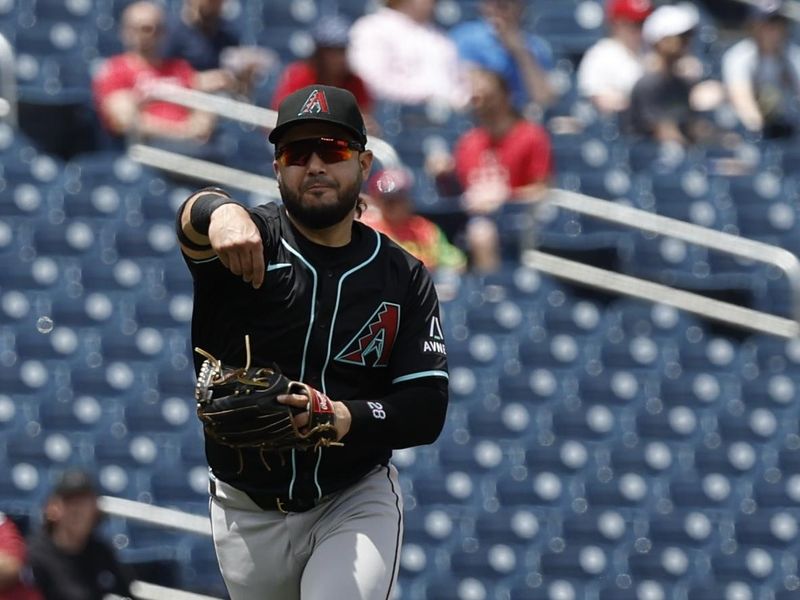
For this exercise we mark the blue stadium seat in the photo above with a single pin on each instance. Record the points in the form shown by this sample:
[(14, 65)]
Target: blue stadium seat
[(636, 352), (145, 344), (607, 528), (45, 449), (169, 415), (474, 457), (557, 351), (552, 588), (750, 564), (487, 562), (672, 423), (174, 313), (124, 275), (774, 354), (711, 354), (17, 308), (23, 485), (510, 421), (684, 528), (114, 378), (699, 388), (648, 458), (669, 564), (565, 458), (777, 494), (92, 310), (537, 386), (515, 526), (182, 489), (81, 414), (582, 563), (592, 421), (622, 490), (537, 489), (456, 487), (711, 491), (583, 317), (95, 200), (146, 241), (39, 274), (617, 387), (755, 426), (770, 528), (62, 343)]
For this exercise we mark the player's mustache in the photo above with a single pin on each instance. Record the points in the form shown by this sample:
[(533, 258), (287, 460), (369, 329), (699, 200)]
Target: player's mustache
[(319, 180)]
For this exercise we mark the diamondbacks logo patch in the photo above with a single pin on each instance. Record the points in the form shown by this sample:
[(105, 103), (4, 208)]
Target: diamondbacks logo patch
[(316, 103), (372, 345)]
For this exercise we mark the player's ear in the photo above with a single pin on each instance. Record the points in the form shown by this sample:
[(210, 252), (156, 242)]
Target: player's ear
[(365, 160), (277, 170)]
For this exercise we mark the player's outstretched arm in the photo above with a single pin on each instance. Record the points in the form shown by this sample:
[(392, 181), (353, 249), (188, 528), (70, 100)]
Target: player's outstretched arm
[(211, 223)]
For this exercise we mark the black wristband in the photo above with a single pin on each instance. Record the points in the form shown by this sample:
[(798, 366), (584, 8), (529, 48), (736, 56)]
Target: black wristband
[(206, 203), (182, 237)]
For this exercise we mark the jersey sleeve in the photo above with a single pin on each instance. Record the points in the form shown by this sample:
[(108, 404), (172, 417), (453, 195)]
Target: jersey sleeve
[(420, 350)]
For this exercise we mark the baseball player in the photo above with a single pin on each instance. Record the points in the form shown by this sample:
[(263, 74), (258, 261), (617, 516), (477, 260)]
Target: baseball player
[(341, 308)]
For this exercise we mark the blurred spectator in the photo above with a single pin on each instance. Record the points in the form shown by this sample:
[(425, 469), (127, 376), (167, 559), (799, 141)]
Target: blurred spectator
[(613, 65), (122, 86), (69, 561), (402, 56), (504, 158), (327, 65), (498, 42), (199, 35), (13, 557), (391, 211), (661, 106), (762, 73)]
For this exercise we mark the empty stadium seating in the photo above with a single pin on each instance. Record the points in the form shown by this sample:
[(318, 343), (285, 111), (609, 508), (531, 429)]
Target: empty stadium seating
[(599, 448)]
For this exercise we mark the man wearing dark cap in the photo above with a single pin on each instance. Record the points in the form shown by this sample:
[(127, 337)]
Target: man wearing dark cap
[(341, 308), (69, 561)]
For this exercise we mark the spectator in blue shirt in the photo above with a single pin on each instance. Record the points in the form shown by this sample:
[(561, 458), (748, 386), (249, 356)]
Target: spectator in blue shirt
[(497, 42)]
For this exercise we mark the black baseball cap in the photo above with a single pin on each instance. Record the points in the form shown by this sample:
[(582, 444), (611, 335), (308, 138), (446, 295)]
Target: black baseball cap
[(321, 103), (73, 483)]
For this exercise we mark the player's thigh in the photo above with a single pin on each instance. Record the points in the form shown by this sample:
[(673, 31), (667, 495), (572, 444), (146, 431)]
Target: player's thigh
[(357, 556), (254, 555)]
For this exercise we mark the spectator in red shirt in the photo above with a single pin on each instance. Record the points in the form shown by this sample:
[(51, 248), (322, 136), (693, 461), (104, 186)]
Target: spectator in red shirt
[(122, 86), (13, 556), (327, 65), (503, 159)]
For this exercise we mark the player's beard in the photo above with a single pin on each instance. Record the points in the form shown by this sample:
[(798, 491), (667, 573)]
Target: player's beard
[(318, 215)]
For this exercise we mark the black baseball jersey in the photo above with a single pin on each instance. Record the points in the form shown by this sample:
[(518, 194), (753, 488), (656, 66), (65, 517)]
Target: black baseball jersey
[(360, 323)]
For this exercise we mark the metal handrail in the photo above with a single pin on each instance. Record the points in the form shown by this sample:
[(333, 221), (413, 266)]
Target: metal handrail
[(8, 82), (252, 115), (688, 232)]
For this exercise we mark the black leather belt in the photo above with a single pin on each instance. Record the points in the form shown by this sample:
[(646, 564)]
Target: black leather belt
[(284, 505)]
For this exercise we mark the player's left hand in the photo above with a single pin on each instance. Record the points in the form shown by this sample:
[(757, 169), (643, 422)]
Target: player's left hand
[(342, 418)]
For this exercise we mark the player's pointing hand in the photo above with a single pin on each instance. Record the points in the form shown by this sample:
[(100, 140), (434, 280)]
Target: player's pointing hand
[(237, 242)]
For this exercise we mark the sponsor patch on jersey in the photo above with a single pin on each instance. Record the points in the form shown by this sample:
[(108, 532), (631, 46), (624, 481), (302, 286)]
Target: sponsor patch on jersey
[(372, 345), (434, 343)]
